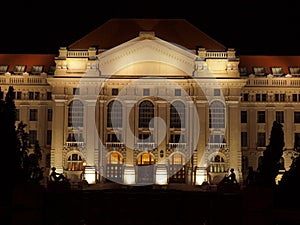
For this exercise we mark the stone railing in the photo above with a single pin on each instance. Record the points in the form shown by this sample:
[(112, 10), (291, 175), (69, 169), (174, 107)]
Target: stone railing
[(25, 78), (275, 82)]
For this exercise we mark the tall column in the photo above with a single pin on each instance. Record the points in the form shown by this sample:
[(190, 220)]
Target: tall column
[(58, 136), (90, 131), (160, 132), (234, 128), (289, 127)]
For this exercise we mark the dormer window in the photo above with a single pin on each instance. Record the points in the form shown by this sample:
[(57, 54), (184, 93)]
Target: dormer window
[(243, 71), (19, 69), (259, 70), (277, 71), (36, 70), (3, 69), (294, 71)]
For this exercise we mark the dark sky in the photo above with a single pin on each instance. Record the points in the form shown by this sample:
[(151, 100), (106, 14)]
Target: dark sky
[(249, 26)]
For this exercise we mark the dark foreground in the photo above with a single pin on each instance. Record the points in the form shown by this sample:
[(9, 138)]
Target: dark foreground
[(148, 206)]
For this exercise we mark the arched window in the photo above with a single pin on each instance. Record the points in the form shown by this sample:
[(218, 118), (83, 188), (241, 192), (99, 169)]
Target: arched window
[(114, 167), (75, 114), (177, 115), (146, 114), (217, 115), (114, 114), (74, 162), (217, 164), (177, 168)]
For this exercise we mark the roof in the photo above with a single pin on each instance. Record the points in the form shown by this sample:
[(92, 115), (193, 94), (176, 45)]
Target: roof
[(269, 61), (117, 31), (28, 60)]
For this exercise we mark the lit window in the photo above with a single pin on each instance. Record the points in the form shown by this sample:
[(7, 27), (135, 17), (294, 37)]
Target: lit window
[(217, 115), (35, 70), (19, 69), (260, 71), (3, 69), (277, 71), (75, 162), (75, 114), (294, 71)]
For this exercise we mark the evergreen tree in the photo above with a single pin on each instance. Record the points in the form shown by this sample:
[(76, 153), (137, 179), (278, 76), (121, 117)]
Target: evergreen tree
[(8, 146), (29, 163), (270, 164)]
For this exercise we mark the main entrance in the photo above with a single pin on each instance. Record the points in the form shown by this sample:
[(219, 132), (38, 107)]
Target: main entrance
[(145, 169)]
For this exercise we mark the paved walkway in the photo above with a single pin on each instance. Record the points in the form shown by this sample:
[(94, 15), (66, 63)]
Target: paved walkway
[(173, 186)]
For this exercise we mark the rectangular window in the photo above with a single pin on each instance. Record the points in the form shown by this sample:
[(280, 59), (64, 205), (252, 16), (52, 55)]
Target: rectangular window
[(146, 91), (257, 96), (33, 115), (17, 114), (19, 95), (297, 142), (245, 97), (32, 136), (49, 95), (261, 116), (49, 115), (31, 95), (263, 97), (244, 139), (37, 95), (76, 91), (217, 92), (115, 91), (243, 116), (280, 116), (295, 97), (296, 117), (261, 139), (49, 137), (177, 92)]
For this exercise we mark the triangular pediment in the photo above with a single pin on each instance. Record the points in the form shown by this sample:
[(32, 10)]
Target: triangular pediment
[(147, 55)]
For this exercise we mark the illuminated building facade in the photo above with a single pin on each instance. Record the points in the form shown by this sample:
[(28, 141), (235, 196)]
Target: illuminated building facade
[(154, 101)]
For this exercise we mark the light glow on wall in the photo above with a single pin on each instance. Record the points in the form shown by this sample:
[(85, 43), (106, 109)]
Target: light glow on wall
[(161, 175), (129, 175), (201, 175)]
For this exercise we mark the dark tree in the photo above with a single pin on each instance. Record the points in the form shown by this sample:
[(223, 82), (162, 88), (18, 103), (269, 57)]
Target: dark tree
[(8, 138), (290, 181), (270, 164), (29, 170)]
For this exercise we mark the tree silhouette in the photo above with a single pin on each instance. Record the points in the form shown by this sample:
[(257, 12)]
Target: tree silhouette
[(8, 144), (29, 170), (270, 164), (290, 180)]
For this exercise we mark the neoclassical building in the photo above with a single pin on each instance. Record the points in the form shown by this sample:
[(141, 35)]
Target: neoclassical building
[(153, 101)]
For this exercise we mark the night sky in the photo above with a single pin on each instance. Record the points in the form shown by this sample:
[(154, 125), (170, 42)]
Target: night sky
[(251, 26)]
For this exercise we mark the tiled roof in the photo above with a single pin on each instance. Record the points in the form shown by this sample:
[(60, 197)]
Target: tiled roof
[(29, 60), (269, 61), (117, 31)]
